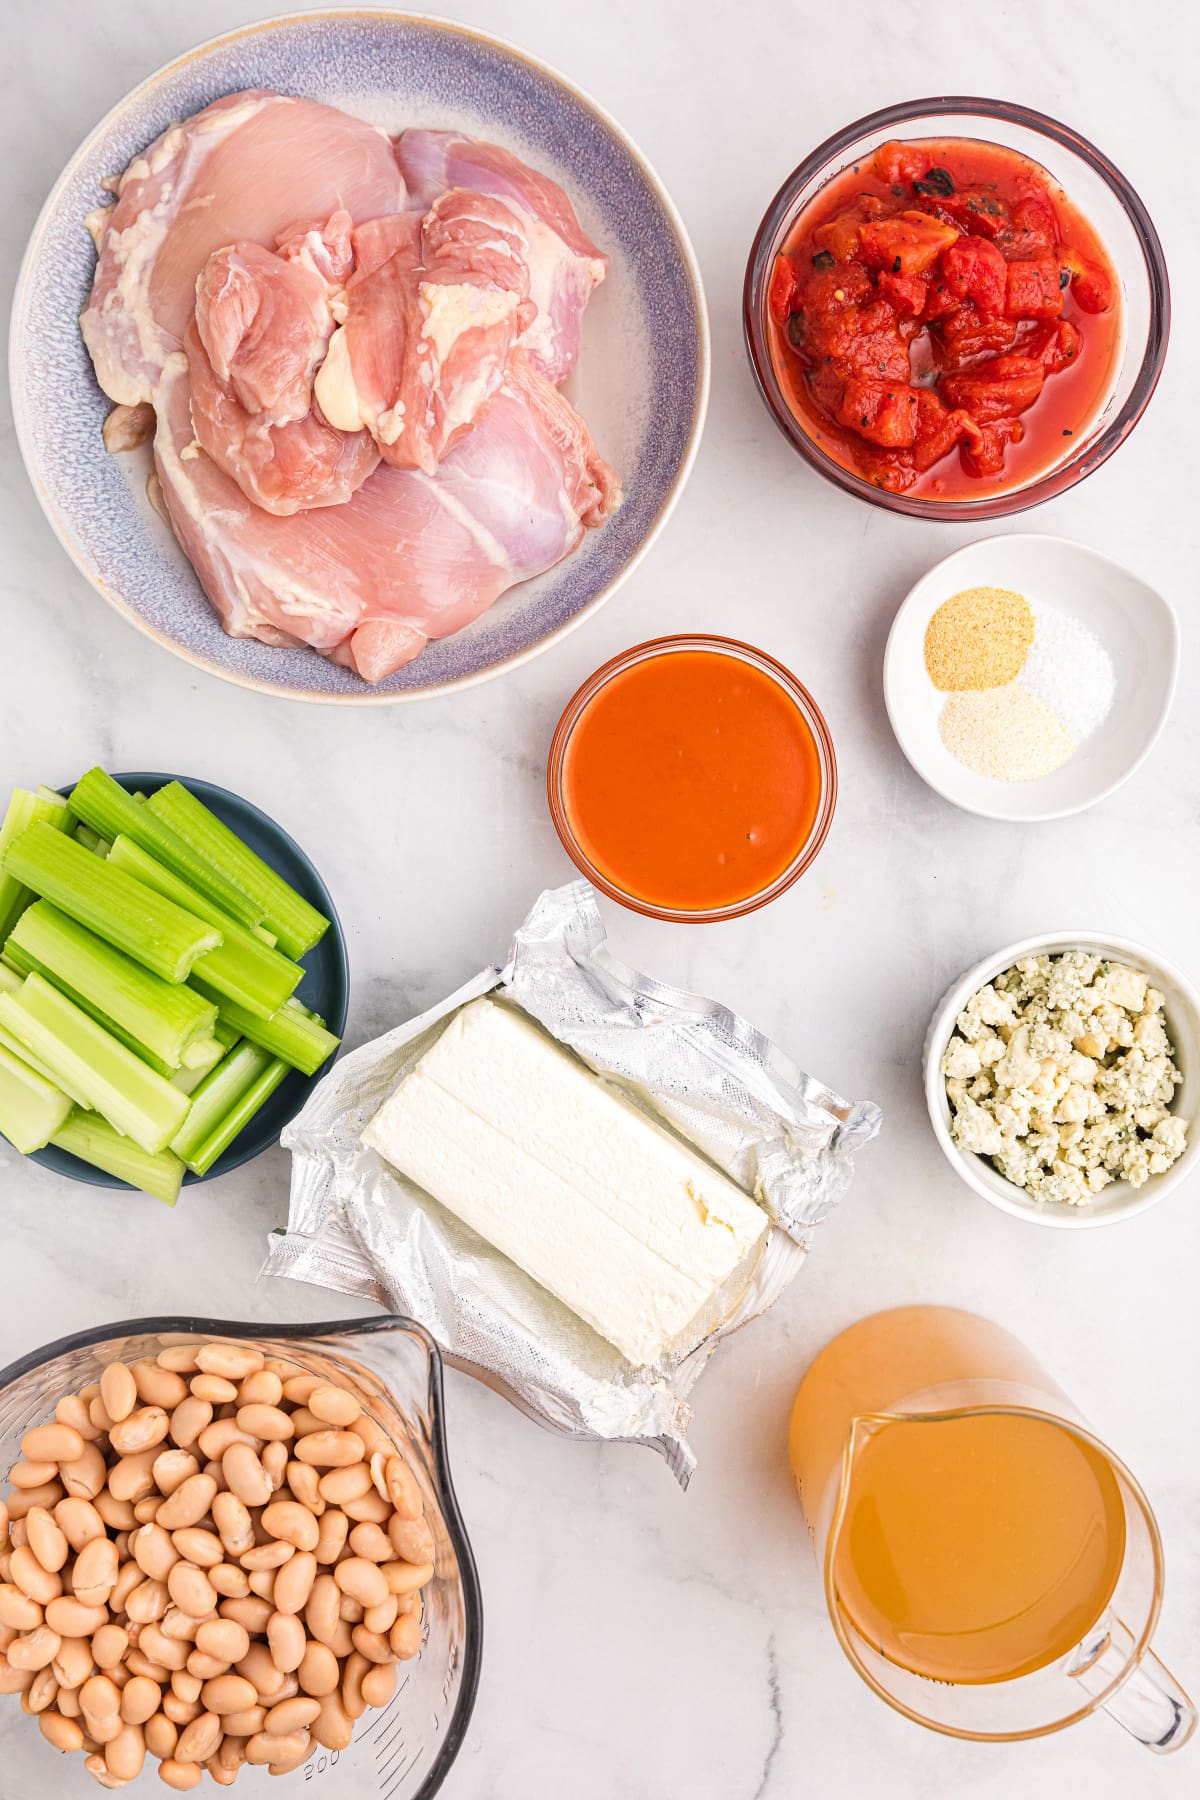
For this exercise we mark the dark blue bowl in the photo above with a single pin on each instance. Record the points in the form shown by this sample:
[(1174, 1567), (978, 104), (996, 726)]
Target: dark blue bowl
[(325, 987)]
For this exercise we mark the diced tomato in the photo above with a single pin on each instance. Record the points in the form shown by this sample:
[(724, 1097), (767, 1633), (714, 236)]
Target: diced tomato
[(827, 292), (974, 210), (1091, 288), (938, 431), (905, 294), (906, 245), (839, 236), (974, 270), (1034, 289), (932, 292), (879, 355), (1034, 225), (963, 337), (895, 162), (939, 300), (884, 413), (781, 290), (891, 470), (986, 455), (1055, 345), (996, 390)]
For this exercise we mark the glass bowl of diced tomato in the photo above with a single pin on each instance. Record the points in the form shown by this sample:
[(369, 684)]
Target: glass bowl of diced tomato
[(956, 308)]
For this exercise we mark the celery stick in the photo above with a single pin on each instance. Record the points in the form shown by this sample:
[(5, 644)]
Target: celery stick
[(91, 840), (244, 969), (104, 805), (291, 1034), (215, 1096), (227, 1035), (154, 931), (21, 1051), (29, 965), (24, 809), (10, 978), (207, 1054), (238, 1117), (32, 1109), (162, 1016), (118, 1084), (296, 924), (94, 1141)]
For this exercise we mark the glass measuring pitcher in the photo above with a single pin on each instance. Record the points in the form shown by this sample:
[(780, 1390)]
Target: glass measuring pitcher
[(401, 1752), (991, 1569)]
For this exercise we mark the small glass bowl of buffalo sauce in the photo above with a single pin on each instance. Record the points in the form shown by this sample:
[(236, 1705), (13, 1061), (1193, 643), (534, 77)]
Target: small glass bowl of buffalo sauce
[(692, 778)]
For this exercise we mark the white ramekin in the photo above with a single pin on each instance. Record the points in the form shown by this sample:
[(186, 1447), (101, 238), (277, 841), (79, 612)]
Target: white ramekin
[(1119, 1200)]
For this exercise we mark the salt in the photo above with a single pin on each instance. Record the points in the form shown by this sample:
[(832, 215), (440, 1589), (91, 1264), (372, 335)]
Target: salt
[(1070, 670)]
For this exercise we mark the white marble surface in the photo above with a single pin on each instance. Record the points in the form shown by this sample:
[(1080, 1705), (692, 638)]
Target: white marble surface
[(641, 1642)]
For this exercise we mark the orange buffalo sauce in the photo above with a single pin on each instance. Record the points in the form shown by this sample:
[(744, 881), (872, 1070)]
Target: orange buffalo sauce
[(691, 778)]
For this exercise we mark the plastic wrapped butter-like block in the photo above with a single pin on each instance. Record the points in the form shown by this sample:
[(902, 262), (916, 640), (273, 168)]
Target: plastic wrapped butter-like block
[(617, 1217)]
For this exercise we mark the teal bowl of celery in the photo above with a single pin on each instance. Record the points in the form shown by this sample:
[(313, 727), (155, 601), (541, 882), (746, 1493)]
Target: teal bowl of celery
[(173, 980)]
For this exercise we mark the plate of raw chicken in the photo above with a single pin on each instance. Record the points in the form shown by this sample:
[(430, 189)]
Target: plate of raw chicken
[(358, 357)]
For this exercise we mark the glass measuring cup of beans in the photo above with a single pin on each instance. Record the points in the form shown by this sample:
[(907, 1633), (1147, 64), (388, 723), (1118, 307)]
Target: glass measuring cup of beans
[(403, 1750)]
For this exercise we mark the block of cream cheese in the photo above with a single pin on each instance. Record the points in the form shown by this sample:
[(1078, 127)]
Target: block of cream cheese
[(617, 1217)]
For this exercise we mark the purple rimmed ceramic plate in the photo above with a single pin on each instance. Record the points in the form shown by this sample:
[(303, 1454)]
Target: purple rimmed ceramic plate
[(642, 381)]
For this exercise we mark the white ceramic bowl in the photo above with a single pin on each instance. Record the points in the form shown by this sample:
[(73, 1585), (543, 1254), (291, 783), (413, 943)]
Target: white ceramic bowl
[(642, 380), (1133, 621), (1119, 1200)]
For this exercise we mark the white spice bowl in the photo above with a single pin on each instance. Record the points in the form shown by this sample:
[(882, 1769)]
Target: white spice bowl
[(1120, 1200), (1133, 621)]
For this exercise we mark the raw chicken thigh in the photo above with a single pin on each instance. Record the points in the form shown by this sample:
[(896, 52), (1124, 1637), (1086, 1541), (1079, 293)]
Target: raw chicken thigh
[(410, 557), (433, 310), (565, 267), (358, 438), (243, 169), (261, 332)]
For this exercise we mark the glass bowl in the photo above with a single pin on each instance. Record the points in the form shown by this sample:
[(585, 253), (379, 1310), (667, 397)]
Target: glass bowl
[(404, 1750), (1100, 192), (813, 718)]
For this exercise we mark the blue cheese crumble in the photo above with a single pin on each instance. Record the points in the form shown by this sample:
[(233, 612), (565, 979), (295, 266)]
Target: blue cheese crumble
[(1060, 1071)]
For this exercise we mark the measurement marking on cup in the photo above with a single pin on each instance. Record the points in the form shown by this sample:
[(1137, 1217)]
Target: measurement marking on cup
[(385, 1767), (401, 1774), (385, 1744)]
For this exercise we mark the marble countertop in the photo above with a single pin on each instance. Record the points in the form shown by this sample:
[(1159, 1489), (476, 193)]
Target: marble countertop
[(640, 1641)]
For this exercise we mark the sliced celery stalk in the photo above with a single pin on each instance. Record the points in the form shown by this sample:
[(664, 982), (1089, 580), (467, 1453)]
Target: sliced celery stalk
[(117, 1083), (154, 931), (16, 1048), (32, 1109), (216, 1095), (207, 1054), (10, 979), (94, 1141), (296, 924), (29, 965), (227, 1035), (238, 1117), (243, 968), (303, 1042), (24, 809), (91, 840), (104, 805), (162, 1016)]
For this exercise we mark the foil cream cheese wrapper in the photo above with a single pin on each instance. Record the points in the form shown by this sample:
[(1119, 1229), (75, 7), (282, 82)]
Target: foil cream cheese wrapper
[(358, 1226)]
